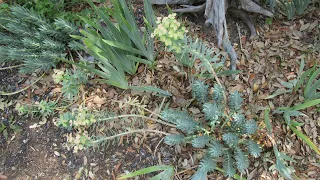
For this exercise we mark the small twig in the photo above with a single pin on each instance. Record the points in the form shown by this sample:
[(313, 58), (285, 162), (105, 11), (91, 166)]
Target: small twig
[(155, 149), (10, 67), (130, 132), (161, 105), (181, 172), (21, 90), (176, 175), (139, 116), (239, 33), (218, 81), (151, 112)]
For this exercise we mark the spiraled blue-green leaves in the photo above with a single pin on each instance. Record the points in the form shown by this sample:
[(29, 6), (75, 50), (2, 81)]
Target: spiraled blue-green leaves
[(171, 115), (217, 93), (200, 141), (230, 139), (221, 141), (200, 91), (206, 165), (182, 119), (228, 162), (238, 120), (250, 127), (212, 113), (187, 125), (174, 139), (254, 148), (235, 101), (215, 149), (242, 161)]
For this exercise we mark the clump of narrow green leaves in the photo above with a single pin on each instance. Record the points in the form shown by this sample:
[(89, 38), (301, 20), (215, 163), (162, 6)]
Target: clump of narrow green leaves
[(282, 160), (119, 47), (224, 132), (295, 6), (307, 80)]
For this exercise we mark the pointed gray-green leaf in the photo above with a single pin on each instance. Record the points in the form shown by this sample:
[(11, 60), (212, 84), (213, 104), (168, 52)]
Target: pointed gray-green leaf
[(251, 127), (228, 165), (174, 139), (200, 91), (216, 149), (235, 101), (212, 113), (254, 148), (230, 139), (200, 141), (242, 161)]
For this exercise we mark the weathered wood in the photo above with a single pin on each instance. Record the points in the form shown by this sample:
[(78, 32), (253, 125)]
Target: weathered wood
[(237, 13), (174, 1), (189, 8), (251, 6), (217, 18), (208, 8)]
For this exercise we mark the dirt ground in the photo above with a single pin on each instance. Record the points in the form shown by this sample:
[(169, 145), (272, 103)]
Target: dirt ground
[(40, 153)]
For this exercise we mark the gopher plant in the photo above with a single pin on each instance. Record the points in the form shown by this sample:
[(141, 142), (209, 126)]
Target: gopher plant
[(224, 131)]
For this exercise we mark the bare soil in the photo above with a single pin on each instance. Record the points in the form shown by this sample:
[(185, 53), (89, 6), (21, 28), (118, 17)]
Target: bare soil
[(40, 153)]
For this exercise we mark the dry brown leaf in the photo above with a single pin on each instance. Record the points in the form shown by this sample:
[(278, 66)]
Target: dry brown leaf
[(251, 77), (304, 26), (39, 91), (313, 25), (148, 79), (3, 177), (141, 69), (120, 141), (56, 90), (255, 87), (260, 45), (129, 149), (111, 93), (98, 100), (116, 167), (153, 126)]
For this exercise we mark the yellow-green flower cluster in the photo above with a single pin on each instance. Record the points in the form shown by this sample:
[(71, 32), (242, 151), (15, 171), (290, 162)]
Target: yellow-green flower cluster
[(57, 76), (84, 118), (22, 109), (80, 120), (170, 31), (79, 141)]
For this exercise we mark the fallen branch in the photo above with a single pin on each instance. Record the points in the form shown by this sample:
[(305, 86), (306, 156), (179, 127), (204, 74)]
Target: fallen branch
[(190, 9), (139, 116), (251, 6), (11, 67), (21, 90), (130, 132), (170, 2)]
